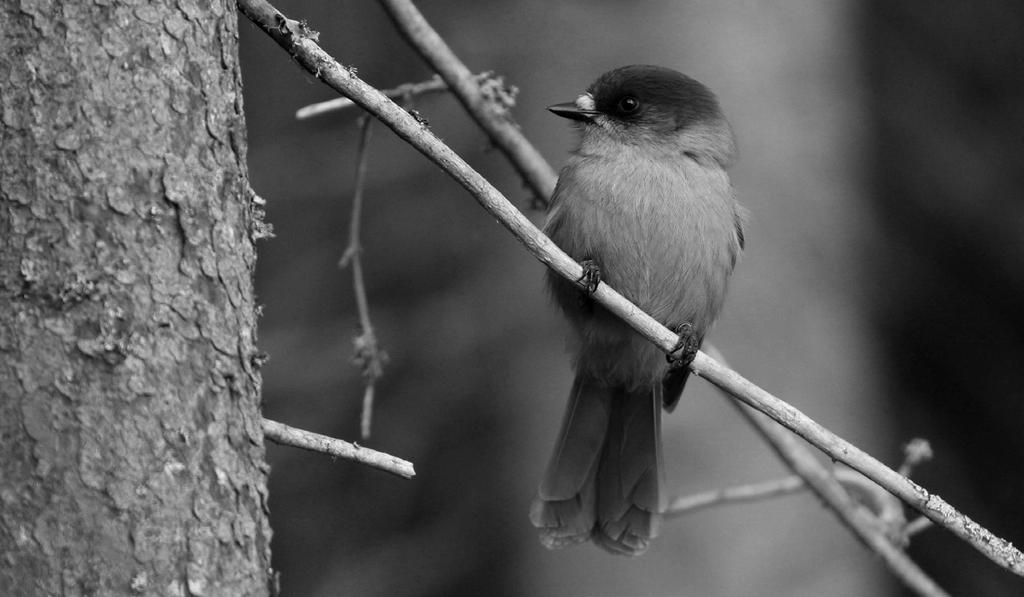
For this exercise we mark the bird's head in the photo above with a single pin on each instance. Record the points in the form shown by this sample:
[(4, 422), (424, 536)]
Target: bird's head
[(653, 106)]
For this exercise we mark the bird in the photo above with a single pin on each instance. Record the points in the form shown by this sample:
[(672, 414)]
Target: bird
[(645, 205)]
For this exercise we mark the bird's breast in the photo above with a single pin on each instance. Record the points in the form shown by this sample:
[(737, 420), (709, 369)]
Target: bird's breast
[(661, 230)]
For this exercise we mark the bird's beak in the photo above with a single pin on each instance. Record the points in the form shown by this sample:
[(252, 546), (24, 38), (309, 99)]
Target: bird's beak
[(582, 109), (572, 112)]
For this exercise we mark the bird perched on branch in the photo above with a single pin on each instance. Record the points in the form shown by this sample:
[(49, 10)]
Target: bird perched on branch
[(644, 204)]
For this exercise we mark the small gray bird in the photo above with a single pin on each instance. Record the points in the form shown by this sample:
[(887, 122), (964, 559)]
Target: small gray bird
[(645, 205)]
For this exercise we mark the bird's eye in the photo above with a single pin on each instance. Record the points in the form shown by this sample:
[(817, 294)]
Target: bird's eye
[(628, 104)]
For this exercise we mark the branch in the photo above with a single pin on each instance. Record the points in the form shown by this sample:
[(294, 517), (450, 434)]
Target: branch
[(917, 525), (307, 440), (297, 40), (861, 523), (883, 528), (754, 492), (492, 116), (928, 504), (368, 355), (433, 85), (884, 534)]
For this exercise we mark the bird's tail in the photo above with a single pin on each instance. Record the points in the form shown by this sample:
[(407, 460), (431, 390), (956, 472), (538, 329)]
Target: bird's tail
[(603, 481)]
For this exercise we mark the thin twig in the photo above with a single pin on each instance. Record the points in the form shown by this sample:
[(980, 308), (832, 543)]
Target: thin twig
[(752, 492), (784, 486), (433, 85), (494, 117), (884, 533), (307, 440), (307, 53), (917, 525), (861, 523), (929, 504), (915, 452), (369, 356)]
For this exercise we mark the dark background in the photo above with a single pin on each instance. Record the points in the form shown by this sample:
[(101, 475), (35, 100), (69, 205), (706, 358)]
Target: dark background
[(881, 158)]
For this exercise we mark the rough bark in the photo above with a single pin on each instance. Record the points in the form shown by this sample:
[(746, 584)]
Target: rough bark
[(131, 452)]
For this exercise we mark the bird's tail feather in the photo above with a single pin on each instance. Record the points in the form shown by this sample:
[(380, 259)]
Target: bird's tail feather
[(603, 481)]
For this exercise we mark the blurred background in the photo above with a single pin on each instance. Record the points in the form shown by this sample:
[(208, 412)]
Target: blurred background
[(881, 150)]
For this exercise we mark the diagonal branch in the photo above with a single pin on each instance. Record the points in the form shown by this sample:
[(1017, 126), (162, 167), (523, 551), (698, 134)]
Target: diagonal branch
[(493, 117), (861, 523), (869, 529), (299, 42)]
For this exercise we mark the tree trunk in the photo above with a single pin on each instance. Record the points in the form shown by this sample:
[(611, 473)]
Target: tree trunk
[(131, 451)]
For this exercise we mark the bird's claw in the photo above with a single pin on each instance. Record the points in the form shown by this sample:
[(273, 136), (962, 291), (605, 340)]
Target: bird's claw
[(591, 276), (685, 350)]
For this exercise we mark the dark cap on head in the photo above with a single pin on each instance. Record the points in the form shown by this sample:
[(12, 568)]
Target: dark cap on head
[(651, 97), (654, 95), (655, 105)]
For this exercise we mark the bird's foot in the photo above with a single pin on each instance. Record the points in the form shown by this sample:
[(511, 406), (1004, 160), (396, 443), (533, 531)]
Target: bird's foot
[(591, 276), (685, 350)]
